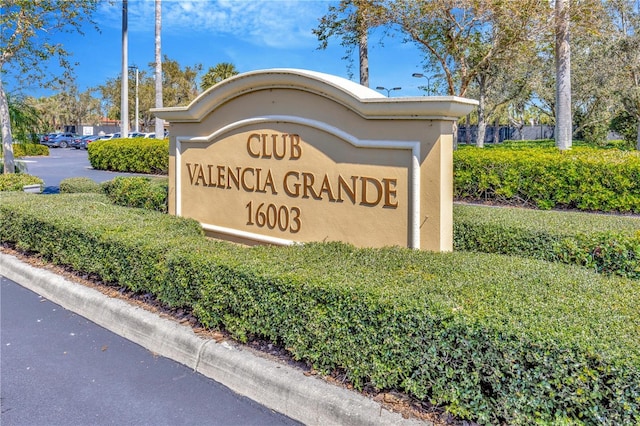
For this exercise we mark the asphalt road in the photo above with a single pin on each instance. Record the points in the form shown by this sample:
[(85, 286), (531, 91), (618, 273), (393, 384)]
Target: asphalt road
[(63, 163), (58, 368)]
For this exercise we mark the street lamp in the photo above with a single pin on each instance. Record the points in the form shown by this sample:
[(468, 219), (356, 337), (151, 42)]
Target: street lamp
[(388, 90), (137, 122), (420, 75)]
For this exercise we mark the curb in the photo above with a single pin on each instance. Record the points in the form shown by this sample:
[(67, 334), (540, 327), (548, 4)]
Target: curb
[(279, 387)]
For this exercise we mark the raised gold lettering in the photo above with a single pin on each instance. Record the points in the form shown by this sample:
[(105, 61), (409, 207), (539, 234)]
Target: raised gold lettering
[(307, 186), (296, 149), (244, 181), (192, 171), (276, 154), (253, 136), (389, 192), (378, 188), (265, 150), (233, 177), (296, 186), (269, 183), (326, 188), (221, 172), (350, 190)]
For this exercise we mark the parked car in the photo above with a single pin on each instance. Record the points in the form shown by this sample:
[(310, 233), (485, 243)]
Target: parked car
[(110, 136), (44, 138), (87, 140), (136, 135), (77, 142), (61, 140)]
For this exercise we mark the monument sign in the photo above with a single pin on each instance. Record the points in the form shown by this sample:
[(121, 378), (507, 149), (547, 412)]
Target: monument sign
[(284, 156)]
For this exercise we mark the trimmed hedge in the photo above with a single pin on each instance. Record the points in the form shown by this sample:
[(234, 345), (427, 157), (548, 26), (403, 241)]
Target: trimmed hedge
[(135, 155), (582, 178), (137, 191), (494, 338), (15, 181), (605, 243), (30, 149), (27, 149), (79, 185)]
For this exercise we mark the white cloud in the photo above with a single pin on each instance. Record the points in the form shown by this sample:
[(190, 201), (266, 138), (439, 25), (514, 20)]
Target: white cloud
[(269, 23)]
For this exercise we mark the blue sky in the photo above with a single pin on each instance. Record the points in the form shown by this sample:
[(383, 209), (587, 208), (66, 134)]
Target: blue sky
[(251, 34)]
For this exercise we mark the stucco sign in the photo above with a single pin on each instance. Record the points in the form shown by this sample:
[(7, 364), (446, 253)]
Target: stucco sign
[(283, 156)]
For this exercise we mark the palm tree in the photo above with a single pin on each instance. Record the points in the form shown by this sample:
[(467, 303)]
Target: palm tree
[(216, 74), (158, 70), (563, 132)]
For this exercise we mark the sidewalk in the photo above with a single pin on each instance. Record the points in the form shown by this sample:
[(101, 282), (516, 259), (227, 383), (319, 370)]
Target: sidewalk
[(277, 386)]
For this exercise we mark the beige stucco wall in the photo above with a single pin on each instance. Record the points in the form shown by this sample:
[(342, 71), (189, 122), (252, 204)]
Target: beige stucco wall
[(349, 164)]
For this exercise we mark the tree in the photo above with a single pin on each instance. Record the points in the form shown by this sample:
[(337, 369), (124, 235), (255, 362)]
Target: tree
[(351, 20), (216, 74), (26, 28), (564, 124), (179, 86), (626, 49), (469, 41), (502, 89), (26, 122), (158, 68)]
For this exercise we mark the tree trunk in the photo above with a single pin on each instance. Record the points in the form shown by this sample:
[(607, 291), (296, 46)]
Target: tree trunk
[(158, 70), (124, 83), (563, 133), (7, 139), (468, 132), (455, 135), (364, 58), (638, 137), (363, 44), (482, 120), (496, 132)]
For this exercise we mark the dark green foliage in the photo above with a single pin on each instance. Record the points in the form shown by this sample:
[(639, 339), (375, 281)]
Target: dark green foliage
[(603, 243), (136, 155), (30, 149), (79, 185), (496, 339), (143, 192), (605, 180), (16, 181), (626, 125)]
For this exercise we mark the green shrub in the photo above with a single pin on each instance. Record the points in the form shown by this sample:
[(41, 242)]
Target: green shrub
[(135, 155), (604, 243), (30, 149), (142, 192), (626, 125), (583, 178), (79, 185), (495, 339), (16, 181)]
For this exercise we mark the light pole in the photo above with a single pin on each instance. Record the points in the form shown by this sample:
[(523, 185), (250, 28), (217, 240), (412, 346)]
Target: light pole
[(137, 121), (420, 75), (388, 90)]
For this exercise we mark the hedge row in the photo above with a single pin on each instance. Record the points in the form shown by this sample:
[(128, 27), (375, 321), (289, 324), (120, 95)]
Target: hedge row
[(605, 243), (27, 149), (135, 155), (493, 338), (16, 181), (608, 244), (582, 178)]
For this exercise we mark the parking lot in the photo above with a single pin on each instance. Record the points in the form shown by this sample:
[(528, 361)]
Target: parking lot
[(64, 163)]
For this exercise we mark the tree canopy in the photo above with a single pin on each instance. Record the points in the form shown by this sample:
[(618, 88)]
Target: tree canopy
[(27, 28)]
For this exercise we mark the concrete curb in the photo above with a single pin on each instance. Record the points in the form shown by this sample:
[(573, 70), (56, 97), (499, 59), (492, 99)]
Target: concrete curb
[(309, 400)]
